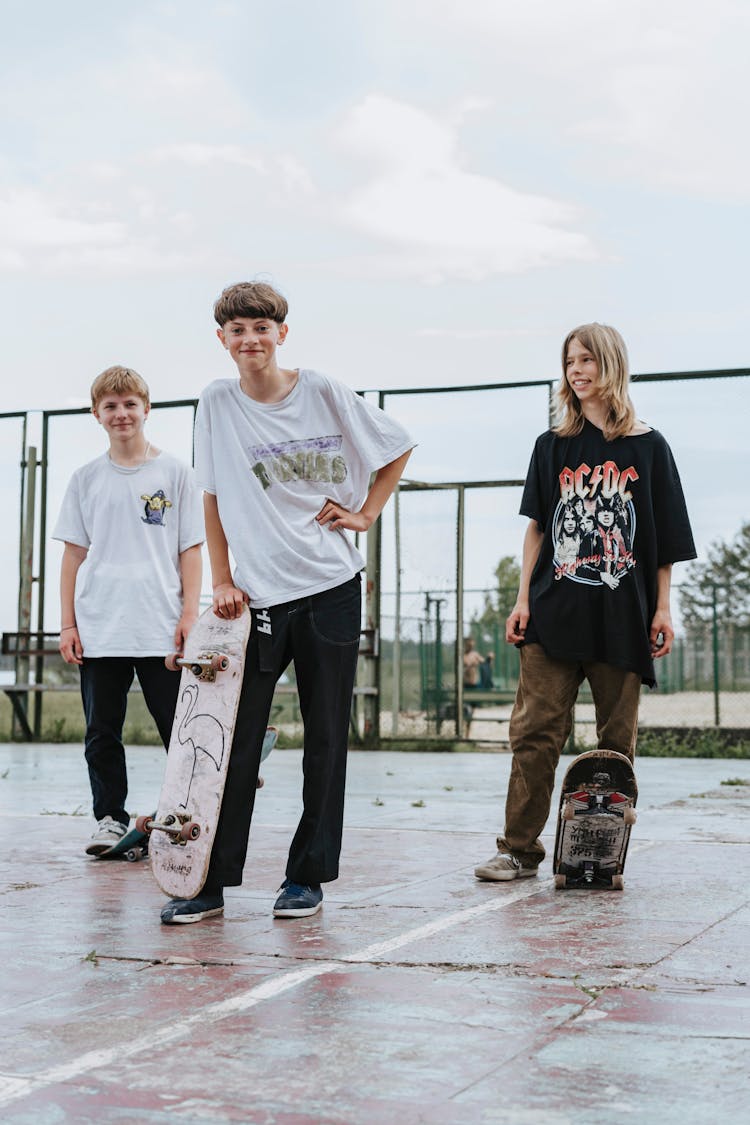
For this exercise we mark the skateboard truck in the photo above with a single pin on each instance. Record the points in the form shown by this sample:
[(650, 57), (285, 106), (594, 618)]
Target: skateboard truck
[(178, 826), (204, 666)]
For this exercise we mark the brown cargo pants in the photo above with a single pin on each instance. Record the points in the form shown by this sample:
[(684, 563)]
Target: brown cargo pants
[(540, 724)]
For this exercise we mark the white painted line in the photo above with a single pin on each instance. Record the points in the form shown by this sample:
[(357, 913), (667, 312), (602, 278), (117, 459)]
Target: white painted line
[(12, 1088)]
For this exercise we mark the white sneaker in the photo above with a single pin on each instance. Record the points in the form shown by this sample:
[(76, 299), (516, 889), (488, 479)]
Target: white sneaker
[(108, 832), (502, 867)]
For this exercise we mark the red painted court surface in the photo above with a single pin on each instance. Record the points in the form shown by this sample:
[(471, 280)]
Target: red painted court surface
[(416, 995)]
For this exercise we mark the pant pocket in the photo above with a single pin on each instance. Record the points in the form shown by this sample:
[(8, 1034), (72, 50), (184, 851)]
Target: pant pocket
[(336, 615)]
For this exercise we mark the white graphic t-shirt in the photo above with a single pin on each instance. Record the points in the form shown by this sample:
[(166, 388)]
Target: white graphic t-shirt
[(135, 524), (273, 465)]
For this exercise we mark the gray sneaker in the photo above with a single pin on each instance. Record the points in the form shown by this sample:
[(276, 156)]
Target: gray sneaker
[(502, 867), (108, 832)]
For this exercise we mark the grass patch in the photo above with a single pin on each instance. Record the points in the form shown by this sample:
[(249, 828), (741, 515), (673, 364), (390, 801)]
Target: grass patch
[(692, 742)]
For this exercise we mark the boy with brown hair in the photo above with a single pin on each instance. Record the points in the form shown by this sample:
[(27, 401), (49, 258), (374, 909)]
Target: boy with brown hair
[(130, 580), (285, 458)]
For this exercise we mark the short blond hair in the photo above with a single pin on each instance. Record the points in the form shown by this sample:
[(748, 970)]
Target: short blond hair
[(119, 381), (608, 349)]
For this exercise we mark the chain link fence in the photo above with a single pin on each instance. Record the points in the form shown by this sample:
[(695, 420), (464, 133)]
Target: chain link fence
[(703, 684), (440, 541)]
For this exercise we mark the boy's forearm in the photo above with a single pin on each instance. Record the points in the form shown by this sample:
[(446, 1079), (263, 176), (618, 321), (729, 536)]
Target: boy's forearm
[(191, 572), (216, 541), (532, 545), (664, 587), (383, 486), (72, 558)]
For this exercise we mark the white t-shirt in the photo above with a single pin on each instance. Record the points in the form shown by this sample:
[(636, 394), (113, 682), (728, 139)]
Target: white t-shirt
[(135, 523), (273, 465)]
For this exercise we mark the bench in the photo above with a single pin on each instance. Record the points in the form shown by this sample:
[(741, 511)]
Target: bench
[(24, 646)]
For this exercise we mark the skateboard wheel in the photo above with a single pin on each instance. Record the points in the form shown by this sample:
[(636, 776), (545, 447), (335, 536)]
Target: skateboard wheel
[(190, 831), (259, 783), (132, 855), (560, 882), (171, 661), (618, 883), (568, 812), (219, 663), (629, 816), (143, 824)]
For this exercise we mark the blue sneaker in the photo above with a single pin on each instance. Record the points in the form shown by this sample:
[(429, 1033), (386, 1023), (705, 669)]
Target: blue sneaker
[(296, 901), (192, 909)]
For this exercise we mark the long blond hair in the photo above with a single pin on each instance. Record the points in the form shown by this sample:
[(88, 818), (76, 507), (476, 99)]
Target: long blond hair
[(608, 349)]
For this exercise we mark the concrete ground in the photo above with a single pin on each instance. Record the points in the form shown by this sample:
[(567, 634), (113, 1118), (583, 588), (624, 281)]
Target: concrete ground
[(417, 995)]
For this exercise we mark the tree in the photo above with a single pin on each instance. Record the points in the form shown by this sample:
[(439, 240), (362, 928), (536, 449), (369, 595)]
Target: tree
[(500, 602), (723, 576)]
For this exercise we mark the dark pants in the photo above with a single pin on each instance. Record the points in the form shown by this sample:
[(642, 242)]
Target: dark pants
[(321, 635), (104, 689)]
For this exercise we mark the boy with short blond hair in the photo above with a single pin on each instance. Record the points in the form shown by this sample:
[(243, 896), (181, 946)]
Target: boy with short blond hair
[(285, 459), (130, 580)]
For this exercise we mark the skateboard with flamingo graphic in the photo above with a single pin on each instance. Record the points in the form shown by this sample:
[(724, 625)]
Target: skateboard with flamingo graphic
[(597, 812), (183, 829)]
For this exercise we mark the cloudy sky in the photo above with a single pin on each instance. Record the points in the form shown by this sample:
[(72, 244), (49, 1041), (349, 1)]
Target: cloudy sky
[(441, 190)]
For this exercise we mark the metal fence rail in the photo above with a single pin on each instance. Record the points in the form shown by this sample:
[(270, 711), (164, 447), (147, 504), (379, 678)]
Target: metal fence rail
[(431, 557)]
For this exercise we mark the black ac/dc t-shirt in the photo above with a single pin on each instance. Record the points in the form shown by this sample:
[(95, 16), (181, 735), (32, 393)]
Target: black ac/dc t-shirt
[(612, 513)]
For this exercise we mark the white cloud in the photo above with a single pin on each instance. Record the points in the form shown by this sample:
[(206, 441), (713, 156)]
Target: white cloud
[(29, 219), (47, 233), (652, 92), (446, 219)]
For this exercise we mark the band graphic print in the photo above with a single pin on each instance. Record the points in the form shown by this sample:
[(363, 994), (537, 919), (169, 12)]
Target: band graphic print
[(593, 528)]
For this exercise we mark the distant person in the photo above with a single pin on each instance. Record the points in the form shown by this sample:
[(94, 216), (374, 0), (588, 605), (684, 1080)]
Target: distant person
[(486, 682), (570, 625), (132, 525), (285, 457), (473, 662)]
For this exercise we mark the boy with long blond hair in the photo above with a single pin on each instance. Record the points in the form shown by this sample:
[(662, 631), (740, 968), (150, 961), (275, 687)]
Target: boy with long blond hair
[(603, 615)]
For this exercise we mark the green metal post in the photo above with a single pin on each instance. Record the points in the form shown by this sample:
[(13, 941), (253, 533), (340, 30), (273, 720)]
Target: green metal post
[(459, 647), (715, 639)]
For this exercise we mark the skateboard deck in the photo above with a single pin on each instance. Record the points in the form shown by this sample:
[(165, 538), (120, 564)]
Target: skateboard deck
[(183, 830), (597, 811)]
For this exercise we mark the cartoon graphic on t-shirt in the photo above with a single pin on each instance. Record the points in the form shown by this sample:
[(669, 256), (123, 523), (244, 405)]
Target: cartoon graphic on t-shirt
[(593, 527), (155, 507), (315, 459)]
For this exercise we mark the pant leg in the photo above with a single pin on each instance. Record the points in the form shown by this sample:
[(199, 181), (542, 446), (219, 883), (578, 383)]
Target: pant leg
[(540, 723), (229, 852), (325, 642), (104, 690), (616, 694), (160, 690)]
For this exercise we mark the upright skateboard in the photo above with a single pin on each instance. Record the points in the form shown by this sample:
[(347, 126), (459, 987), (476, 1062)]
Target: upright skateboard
[(597, 811), (183, 829)]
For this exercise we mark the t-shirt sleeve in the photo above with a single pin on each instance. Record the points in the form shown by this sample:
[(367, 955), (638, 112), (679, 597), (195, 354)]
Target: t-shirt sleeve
[(71, 525), (532, 504), (204, 461), (192, 530), (674, 537), (377, 436)]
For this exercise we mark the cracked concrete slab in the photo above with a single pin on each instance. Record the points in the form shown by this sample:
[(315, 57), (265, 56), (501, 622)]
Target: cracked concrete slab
[(417, 995)]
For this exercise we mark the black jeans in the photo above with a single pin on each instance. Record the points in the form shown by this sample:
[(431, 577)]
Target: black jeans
[(321, 635), (104, 689)]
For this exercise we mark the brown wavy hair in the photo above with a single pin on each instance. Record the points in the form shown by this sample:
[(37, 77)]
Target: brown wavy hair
[(608, 349), (254, 299)]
